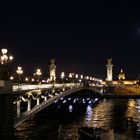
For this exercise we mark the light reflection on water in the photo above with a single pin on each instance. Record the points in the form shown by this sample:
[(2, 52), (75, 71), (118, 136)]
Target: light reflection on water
[(100, 115), (105, 114), (133, 109)]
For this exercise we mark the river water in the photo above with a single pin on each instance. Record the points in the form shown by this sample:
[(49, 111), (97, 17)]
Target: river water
[(62, 120)]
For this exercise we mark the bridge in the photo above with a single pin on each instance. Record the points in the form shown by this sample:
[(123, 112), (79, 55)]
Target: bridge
[(24, 100), (45, 95)]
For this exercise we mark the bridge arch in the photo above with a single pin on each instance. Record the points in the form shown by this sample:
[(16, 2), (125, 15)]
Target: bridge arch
[(51, 100)]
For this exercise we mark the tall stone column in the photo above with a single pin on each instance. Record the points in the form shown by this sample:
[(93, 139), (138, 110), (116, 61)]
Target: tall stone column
[(38, 101), (29, 105), (109, 71), (18, 108), (45, 98), (52, 71)]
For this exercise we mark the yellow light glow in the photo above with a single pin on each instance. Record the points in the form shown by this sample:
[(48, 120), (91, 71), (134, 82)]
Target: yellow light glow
[(11, 78), (76, 76), (82, 76), (70, 75), (26, 79), (11, 57), (19, 70), (32, 79), (62, 75), (4, 51), (38, 72)]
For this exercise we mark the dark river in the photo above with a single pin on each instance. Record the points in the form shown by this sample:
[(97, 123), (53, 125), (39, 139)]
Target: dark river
[(62, 119)]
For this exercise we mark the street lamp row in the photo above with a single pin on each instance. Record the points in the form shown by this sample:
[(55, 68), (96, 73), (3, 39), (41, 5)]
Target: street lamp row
[(5, 58)]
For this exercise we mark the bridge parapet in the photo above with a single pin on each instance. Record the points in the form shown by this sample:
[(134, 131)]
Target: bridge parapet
[(42, 86), (5, 87)]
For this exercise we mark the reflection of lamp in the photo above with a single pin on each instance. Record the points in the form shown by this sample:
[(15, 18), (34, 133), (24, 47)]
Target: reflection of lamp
[(4, 59)]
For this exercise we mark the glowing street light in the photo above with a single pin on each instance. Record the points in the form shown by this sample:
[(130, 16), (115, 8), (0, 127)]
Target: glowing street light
[(19, 71), (76, 76), (38, 73), (32, 79), (81, 76), (90, 78), (11, 78), (70, 77), (87, 77), (26, 79), (4, 60), (4, 51), (62, 75)]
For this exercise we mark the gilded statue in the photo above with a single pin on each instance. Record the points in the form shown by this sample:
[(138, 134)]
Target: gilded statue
[(53, 61), (109, 61)]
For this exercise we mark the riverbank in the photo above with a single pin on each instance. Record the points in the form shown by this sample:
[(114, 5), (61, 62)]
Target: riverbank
[(134, 89)]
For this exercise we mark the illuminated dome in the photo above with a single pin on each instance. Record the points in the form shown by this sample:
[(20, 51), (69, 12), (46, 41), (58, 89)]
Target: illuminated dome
[(121, 75)]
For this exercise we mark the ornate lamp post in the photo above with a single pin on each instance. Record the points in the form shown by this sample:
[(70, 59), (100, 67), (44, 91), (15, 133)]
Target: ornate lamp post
[(4, 60), (19, 71), (62, 77), (38, 73), (70, 77), (6, 97)]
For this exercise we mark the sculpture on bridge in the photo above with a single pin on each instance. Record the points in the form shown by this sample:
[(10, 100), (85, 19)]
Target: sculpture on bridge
[(109, 61), (52, 70), (52, 62)]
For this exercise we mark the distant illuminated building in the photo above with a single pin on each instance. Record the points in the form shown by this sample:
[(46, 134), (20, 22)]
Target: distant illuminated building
[(52, 71), (121, 75)]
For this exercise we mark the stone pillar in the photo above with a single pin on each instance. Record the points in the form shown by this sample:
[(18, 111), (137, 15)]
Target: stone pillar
[(109, 71), (29, 105), (38, 101), (18, 108), (52, 71), (45, 99)]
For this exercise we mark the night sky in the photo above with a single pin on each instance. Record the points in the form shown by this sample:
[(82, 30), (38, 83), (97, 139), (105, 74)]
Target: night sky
[(81, 40)]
